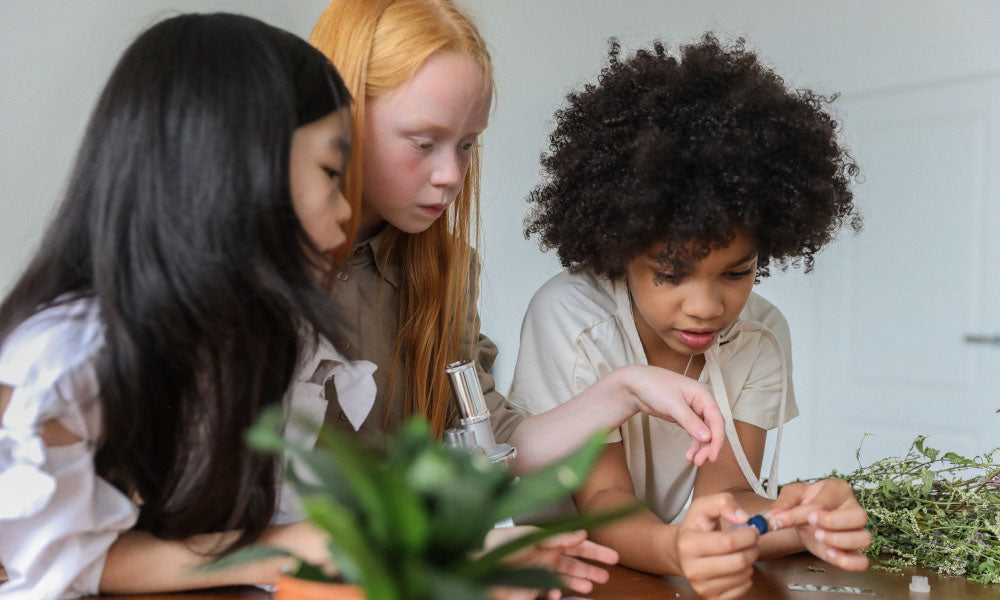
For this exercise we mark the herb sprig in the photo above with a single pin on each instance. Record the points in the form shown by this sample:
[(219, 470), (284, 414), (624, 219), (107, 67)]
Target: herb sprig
[(937, 509)]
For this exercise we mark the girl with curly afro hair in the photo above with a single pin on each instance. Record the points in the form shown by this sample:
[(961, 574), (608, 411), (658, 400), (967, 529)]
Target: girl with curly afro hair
[(672, 185)]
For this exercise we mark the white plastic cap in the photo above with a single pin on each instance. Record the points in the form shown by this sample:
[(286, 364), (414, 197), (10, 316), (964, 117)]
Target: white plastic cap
[(919, 584)]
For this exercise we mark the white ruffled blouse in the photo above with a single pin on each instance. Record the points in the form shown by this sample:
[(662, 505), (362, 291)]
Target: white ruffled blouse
[(57, 516)]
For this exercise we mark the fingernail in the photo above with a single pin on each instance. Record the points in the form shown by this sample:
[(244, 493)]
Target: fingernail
[(742, 515), (704, 435), (813, 518), (820, 534), (830, 554)]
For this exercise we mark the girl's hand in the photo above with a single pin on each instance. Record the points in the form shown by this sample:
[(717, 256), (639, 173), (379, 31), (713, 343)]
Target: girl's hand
[(828, 519), (306, 541), (560, 554), (717, 564), (682, 400)]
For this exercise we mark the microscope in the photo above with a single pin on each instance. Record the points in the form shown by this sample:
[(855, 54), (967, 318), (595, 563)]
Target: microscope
[(476, 431)]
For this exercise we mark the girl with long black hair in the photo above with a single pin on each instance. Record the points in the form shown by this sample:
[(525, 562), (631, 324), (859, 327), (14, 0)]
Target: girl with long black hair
[(177, 292)]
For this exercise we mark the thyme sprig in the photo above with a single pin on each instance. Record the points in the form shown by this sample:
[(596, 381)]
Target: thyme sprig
[(931, 508)]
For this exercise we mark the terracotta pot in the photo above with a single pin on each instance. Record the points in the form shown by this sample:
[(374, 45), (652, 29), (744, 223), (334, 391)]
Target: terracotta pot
[(293, 588)]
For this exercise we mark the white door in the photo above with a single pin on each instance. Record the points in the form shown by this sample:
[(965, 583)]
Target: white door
[(886, 313)]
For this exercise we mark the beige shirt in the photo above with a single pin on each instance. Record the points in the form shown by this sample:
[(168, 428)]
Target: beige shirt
[(368, 297), (580, 327)]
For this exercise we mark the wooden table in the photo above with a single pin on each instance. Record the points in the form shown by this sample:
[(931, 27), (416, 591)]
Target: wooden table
[(770, 583)]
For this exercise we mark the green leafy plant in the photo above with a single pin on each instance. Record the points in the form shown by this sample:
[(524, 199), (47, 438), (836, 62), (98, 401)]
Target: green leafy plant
[(409, 523), (937, 509)]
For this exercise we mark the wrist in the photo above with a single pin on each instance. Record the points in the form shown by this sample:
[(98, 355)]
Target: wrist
[(667, 539), (626, 390)]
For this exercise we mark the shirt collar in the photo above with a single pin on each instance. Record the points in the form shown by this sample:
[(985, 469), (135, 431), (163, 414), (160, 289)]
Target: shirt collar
[(353, 380), (366, 251)]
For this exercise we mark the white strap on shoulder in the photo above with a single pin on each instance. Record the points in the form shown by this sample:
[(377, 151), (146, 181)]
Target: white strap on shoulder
[(722, 400), (772, 480)]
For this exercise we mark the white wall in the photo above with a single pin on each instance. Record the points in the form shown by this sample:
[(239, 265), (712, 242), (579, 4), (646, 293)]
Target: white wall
[(55, 56)]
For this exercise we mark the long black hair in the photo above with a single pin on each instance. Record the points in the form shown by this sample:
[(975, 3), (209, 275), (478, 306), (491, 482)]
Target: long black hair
[(177, 220)]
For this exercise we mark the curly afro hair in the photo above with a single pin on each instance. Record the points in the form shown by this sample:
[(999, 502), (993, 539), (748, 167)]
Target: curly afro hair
[(684, 152)]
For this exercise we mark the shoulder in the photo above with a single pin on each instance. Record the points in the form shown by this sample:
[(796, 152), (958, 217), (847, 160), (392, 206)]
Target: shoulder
[(53, 348), (758, 342), (572, 334), (760, 311), (763, 311), (63, 336), (569, 321), (577, 301)]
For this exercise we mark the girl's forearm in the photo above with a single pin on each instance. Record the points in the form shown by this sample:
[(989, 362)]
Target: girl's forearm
[(140, 563), (643, 541), (549, 436), (610, 402)]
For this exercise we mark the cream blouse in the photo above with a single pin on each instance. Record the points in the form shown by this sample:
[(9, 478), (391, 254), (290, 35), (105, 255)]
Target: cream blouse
[(58, 517), (580, 327)]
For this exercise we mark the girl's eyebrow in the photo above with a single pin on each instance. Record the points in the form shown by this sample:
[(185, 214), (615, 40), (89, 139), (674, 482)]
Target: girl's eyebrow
[(420, 125), (423, 125), (748, 257)]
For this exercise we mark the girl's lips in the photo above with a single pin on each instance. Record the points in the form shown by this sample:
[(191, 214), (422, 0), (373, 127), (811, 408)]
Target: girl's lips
[(697, 339), (433, 210)]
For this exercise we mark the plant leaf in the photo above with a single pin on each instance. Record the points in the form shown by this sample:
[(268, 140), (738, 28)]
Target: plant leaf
[(448, 586), (430, 469), (355, 468), (358, 561), (460, 518), (242, 556), (491, 561), (457, 494), (322, 472), (265, 434), (550, 483), (524, 577), (957, 459), (409, 525), (310, 572), (409, 441), (927, 477)]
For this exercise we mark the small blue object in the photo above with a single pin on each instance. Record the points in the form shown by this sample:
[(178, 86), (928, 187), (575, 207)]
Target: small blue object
[(759, 522)]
